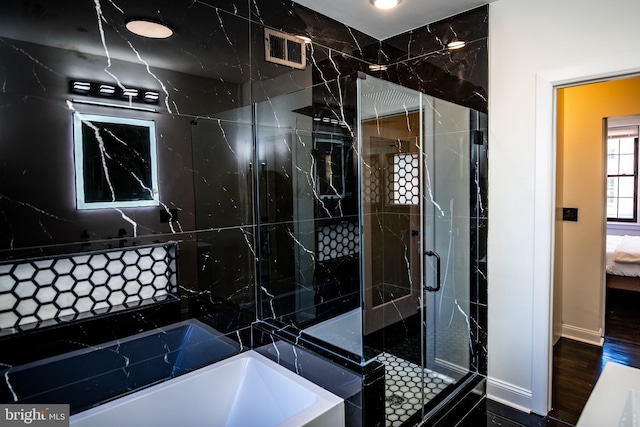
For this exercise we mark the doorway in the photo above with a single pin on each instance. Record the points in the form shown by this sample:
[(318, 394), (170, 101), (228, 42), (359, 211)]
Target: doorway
[(580, 292)]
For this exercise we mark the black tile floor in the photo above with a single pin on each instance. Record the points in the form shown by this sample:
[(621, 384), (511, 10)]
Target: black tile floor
[(492, 414)]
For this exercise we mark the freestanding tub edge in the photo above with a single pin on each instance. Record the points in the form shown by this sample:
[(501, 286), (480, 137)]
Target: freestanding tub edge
[(244, 390)]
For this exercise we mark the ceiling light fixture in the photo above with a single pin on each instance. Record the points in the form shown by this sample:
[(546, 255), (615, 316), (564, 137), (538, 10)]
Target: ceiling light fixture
[(80, 87), (385, 4), (151, 97), (129, 93), (107, 90), (377, 67), (148, 28), (305, 39), (456, 44)]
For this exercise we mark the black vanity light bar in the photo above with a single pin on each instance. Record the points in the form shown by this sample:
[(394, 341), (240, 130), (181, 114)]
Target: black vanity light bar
[(80, 87), (330, 121), (130, 93), (151, 97), (106, 90)]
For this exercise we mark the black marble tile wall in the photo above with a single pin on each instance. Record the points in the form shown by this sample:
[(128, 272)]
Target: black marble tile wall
[(362, 388), (225, 173), (479, 232), (468, 26), (204, 143), (420, 59), (38, 344)]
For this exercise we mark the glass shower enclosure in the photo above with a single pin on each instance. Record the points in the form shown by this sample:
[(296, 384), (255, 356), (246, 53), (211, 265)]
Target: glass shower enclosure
[(367, 197)]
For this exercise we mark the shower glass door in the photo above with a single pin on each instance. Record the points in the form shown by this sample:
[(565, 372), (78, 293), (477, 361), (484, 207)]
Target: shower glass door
[(415, 218), (368, 211), (390, 130)]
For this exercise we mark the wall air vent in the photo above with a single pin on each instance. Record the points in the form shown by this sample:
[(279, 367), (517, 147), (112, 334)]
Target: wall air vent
[(284, 49)]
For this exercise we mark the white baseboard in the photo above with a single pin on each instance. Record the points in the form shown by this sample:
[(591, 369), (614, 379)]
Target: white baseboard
[(508, 394), (583, 335)]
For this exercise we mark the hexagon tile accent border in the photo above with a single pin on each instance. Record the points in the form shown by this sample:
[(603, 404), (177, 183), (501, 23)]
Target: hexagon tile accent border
[(337, 240), (37, 291)]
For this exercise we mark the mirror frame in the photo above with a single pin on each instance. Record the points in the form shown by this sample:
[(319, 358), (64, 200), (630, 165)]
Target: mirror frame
[(79, 120)]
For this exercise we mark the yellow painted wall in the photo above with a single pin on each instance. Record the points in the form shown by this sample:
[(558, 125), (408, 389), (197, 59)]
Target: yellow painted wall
[(580, 184)]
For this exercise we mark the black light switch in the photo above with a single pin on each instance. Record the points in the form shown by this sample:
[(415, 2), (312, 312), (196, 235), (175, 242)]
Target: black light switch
[(569, 214)]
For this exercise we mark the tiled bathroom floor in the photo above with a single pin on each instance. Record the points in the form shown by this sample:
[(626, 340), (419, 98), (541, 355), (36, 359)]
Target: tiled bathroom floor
[(403, 388)]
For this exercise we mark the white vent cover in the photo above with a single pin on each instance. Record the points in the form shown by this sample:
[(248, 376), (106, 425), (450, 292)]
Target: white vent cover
[(284, 49), (392, 97)]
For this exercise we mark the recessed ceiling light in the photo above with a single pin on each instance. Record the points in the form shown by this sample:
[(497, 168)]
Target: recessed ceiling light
[(385, 4), (456, 44), (149, 28)]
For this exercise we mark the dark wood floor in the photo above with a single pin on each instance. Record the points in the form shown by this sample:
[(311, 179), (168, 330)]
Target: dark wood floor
[(577, 366)]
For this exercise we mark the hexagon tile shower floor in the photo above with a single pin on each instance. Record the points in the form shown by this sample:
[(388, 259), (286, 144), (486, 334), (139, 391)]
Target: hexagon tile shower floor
[(403, 388)]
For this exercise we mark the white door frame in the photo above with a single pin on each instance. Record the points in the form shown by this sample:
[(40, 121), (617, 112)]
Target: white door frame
[(547, 82)]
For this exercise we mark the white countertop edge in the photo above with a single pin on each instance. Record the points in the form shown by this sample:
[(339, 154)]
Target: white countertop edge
[(607, 400)]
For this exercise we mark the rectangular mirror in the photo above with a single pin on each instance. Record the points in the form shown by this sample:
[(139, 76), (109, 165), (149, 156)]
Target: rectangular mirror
[(115, 162)]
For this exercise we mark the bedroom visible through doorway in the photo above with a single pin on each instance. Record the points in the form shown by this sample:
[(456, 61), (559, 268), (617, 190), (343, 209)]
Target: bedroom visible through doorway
[(582, 183), (623, 227), (585, 310)]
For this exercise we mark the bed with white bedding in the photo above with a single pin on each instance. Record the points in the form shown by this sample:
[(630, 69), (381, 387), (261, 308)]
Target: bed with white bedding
[(623, 262)]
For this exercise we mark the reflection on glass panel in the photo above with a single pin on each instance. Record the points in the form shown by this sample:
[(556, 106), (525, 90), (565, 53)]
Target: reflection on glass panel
[(405, 184), (329, 156), (337, 240), (371, 191), (309, 239)]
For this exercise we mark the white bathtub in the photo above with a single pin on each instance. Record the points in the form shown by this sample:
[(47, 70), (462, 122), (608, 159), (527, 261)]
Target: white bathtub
[(244, 390)]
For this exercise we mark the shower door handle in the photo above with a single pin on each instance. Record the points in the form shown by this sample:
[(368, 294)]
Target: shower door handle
[(438, 284)]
